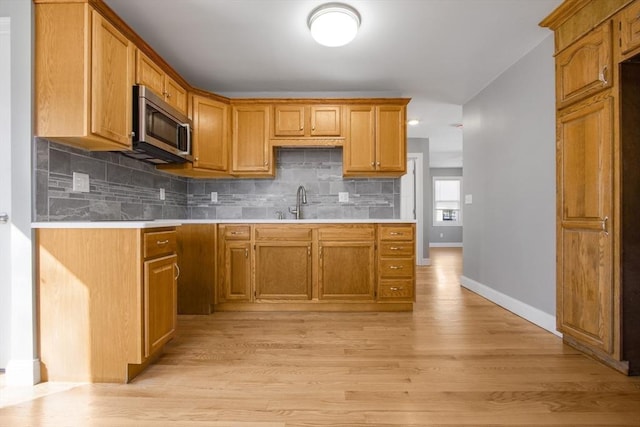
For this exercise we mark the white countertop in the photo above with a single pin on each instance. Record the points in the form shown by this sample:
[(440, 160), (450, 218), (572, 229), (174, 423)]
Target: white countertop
[(178, 222)]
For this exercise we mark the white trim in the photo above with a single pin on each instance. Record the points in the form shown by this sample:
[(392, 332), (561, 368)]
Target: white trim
[(419, 191), (527, 312), (23, 372), (445, 244)]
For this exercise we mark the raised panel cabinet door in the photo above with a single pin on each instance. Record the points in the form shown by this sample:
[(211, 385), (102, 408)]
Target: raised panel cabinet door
[(237, 271), (391, 141), (325, 120), (149, 74), (359, 145), (250, 142), (288, 120), (283, 270), (111, 81), (210, 134), (585, 67), (630, 28), (160, 302), (175, 95), (585, 209), (346, 271)]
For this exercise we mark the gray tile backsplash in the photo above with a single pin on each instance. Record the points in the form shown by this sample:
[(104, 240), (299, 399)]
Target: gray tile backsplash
[(124, 188)]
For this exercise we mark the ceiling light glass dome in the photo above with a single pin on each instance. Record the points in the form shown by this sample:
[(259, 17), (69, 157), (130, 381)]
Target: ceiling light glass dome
[(334, 24)]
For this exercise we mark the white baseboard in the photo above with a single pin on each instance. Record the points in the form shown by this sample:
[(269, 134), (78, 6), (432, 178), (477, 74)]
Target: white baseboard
[(445, 244), (532, 314), (423, 261), (22, 372)]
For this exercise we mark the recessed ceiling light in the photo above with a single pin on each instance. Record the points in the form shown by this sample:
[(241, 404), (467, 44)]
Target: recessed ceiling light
[(413, 122), (334, 24)]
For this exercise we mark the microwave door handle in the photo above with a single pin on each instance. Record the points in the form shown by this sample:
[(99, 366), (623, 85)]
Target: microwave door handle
[(187, 126)]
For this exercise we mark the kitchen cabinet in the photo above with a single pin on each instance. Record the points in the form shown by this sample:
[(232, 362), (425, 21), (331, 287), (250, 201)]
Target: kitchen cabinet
[(375, 140), (396, 262), (84, 71), (585, 67), (307, 123), (251, 152), (598, 99), (346, 263), (283, 262), (197, 252), (104, 318), (235, 263), (149, 74)]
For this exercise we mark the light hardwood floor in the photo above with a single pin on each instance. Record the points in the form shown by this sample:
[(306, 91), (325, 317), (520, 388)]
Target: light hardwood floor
[(456, 360)]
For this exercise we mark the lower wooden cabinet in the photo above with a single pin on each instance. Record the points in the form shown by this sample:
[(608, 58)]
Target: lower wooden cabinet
[(396, 262), (283, 271), (107, 301), (234, 263)]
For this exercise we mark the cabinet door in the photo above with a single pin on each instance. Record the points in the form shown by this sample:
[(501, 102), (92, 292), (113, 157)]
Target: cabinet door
[(283, 270), (585, 67), (210, 134), (149, 74), (251, 154), (584, 251), (175, 95), (111, 81), (325, 120), (346, 271), (237, 271), (391, 141), (288, 120), (630, 28), (160, 302), (359, 145)]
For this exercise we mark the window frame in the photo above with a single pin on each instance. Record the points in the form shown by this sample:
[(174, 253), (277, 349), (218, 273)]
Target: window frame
[(434, 221)]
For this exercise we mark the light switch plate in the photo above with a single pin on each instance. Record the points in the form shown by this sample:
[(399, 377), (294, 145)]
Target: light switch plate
[(214, 197), (162, 195), (343, 196), (80, 182), (468, 199)]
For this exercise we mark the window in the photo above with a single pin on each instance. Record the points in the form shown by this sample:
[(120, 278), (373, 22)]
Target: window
[(447, 208)]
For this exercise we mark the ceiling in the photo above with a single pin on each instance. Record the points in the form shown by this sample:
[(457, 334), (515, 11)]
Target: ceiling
[(440, 53)]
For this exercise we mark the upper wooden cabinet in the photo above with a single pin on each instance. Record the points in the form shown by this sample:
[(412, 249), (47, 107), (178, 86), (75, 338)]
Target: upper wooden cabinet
[(375, 143), (629, 26), (585, 67), (251, 153), (84, 70), (306, 121), (149, 74)]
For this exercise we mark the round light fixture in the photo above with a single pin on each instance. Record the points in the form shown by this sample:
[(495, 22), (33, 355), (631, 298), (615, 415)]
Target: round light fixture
[(413, 122), (334, 24)]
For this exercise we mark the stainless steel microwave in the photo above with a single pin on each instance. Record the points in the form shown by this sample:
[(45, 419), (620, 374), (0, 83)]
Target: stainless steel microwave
[(161, 134)]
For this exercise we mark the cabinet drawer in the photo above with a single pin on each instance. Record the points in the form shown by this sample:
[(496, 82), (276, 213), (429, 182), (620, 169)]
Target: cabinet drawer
[(158, 243), (283, 233), (395, 267), (396, 232), (237, 232), (346, 233), (395, 290), (401, 248)]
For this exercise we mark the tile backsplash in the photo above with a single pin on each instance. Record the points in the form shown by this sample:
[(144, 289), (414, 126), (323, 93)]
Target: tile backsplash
[(124, 188)]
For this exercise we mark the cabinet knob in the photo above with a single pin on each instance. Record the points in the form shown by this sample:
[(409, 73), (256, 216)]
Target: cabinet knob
[(196, 158), (373, 164), (301, 128), (132, 134), (377, 163)]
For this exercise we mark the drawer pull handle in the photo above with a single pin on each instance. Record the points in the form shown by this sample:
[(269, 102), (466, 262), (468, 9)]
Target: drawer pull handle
[(235, 233), (162, 242), (396, 248), (395, 267), (396, 288), (396, 233), (178, 271)]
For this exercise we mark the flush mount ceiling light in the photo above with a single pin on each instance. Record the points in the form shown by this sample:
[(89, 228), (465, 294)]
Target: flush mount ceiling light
[(413, 122), (334, 24)]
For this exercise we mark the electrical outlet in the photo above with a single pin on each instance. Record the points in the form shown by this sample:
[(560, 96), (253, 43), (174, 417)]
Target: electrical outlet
[(468, 199), (162, 194), (80, 182), (343, 196), (214, 197)]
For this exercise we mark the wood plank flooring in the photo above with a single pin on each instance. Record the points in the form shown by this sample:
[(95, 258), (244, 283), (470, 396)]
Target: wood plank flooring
[(456, 360)]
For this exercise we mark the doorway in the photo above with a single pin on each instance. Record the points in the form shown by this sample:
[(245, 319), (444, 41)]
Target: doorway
[(411, 200)]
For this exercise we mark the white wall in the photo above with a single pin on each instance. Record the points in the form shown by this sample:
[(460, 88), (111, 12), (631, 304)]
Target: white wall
[(23, 366), (509, 169)]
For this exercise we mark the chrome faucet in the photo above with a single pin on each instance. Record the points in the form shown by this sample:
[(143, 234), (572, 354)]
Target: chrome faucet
[(301, 199)]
